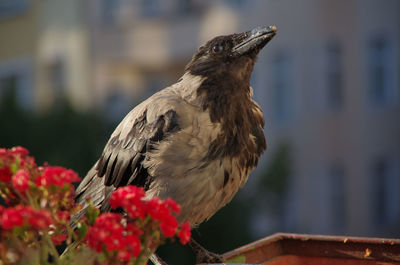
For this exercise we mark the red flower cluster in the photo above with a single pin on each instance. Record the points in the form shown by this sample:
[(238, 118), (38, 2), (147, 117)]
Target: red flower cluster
[(20, 180), (108, 233), (131, 198), (63, 216), (8, 157), (41, 202), (22, 215), (58, 239), (184, 234), (43, 207), (5, 174), (19, 174), (57, 176), (18, 150)]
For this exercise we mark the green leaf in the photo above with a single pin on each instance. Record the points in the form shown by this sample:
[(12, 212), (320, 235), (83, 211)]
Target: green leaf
[(238, 259), (92, 213), (14, 167), (82, 229)]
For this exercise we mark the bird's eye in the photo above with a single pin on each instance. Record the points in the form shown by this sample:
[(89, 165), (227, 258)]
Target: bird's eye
[(217, 48)]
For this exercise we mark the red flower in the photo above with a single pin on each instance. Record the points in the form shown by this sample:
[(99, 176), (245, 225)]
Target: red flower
[(27, 161), (132, 243), (107, 230), (40, 219), (58, 239), (114, 242), (109, 221), (125, 196), (20, 180), (173, 206), (124, 256), (11, 218), (3, 152), (184, 234), (63, 216), (131, 199), (23, 215), (5, 174), (57, 176), (95, 238), (133, 229), (18, 150), (157, 209), (169, 225), (42, 181), (109, 234), (136, 210)]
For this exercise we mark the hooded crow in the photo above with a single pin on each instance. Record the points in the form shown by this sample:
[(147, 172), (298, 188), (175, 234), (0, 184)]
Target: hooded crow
[(196, 141)]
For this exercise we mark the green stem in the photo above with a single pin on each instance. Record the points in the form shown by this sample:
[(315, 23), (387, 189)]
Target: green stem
[(22, 198), (52, 249), (43, 254), (31, 200)]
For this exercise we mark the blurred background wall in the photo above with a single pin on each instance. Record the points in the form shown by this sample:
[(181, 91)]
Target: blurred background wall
[(328, 83)]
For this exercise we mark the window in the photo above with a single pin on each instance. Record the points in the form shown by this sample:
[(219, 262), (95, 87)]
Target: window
[(150, 8), (282, 87), (110, 10), (16, 83), (9, 8), (334, 77), (237, 3), (337, 197), (385, 191), (184, 6), (380, 83), (8, 88), (57, 80)]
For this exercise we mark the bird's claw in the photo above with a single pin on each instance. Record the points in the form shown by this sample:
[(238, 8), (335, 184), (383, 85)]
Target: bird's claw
[(203, 255), (209, 257)]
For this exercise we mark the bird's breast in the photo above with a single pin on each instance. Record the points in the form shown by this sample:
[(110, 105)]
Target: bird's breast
[(185, 171)]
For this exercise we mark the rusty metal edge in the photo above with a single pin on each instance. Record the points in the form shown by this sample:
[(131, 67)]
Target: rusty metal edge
[(279, 244), (251, 247)]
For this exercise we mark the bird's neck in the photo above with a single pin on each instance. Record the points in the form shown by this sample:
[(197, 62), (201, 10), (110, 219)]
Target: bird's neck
[(224, 98), (229, 103), (187, 87), (227, 100)]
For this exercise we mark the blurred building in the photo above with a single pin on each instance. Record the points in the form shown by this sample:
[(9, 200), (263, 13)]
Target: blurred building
[(44, 53), (328, 84), (17, 49), (141, 46)]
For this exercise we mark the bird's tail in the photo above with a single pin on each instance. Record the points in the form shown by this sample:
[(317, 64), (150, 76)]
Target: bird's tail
[(92, 189)]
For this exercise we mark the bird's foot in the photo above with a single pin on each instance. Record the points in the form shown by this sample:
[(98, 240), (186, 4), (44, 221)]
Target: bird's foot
[(203, 255), (208, 257)]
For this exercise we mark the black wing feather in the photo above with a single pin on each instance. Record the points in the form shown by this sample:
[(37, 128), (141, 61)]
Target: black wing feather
[(121, 161), (124, 165)]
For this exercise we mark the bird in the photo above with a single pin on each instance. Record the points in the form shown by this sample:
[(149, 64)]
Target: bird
[(195, 141)]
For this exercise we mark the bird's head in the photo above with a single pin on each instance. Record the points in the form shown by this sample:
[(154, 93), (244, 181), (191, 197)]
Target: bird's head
[(230, 56)]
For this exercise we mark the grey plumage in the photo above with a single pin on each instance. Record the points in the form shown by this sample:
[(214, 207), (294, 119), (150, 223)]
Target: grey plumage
[(195, 141)]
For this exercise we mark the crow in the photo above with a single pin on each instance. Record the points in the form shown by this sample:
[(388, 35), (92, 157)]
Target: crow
[(195, 141)]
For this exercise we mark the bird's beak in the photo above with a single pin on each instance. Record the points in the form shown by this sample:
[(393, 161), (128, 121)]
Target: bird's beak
[(255, 39)]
